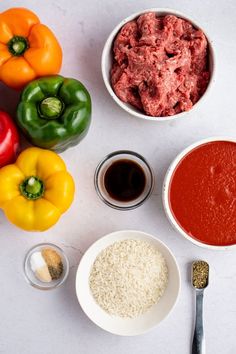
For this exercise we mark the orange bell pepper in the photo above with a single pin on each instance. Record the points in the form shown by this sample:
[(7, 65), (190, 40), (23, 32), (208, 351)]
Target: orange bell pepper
[(28, 49)]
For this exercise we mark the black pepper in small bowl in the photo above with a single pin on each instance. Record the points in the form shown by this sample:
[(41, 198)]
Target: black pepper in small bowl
[(54, 263)]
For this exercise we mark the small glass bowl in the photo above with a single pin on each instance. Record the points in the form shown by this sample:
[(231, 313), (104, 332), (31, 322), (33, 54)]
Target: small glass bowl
[(105, 164), (30, 276)]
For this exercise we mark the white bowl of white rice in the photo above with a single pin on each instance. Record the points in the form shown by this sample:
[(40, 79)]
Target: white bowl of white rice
[(127, 282)]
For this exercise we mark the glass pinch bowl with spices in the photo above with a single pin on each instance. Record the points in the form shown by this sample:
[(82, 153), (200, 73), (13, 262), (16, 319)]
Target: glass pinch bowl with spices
[(46, 266)]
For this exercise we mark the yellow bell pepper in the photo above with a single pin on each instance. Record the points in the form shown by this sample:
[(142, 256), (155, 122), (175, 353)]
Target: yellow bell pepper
[(36, 190)]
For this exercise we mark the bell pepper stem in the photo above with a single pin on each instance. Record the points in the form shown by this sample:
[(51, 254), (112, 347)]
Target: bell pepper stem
[(51, 108), (32, 188), (18, 45)]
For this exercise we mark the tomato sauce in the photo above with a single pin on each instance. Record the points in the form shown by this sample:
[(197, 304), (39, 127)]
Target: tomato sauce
[(202, 193)]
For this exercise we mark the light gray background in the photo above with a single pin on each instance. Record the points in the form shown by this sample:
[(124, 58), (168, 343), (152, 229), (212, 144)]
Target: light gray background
[(36, 322)]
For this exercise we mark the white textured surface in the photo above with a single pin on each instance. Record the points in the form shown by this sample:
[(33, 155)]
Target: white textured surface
[(36, 322)]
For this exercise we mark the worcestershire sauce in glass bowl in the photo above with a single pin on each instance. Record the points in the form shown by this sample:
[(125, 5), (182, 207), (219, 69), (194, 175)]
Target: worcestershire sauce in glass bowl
[(123, 180)]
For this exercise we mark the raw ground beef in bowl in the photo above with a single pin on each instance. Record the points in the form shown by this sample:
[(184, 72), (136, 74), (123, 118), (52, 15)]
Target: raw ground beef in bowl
[(160, 64)]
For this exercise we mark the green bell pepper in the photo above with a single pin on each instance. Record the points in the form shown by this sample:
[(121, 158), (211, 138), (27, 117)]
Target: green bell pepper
[(54, 112)]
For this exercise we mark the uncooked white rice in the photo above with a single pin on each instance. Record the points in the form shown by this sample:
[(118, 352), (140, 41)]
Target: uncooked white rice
[(128, 277)]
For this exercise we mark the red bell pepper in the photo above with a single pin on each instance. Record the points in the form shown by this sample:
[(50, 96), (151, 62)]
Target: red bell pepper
[(9, 140)]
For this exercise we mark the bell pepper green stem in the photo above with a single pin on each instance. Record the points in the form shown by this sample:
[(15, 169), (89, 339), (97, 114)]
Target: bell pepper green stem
[(18, 45), (32, 188), (51, 108), (54, 112)]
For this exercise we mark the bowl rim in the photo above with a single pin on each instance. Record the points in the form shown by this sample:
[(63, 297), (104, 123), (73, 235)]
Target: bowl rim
[(166, 185), (119, 236), (131, 154), (108, 46)]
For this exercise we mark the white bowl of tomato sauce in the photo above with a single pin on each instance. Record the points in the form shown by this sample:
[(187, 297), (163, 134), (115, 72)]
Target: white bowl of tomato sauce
[(158, 64), (199, 193)]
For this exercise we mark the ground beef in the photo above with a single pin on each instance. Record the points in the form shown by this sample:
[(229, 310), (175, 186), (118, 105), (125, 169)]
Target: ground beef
[(160, 64)]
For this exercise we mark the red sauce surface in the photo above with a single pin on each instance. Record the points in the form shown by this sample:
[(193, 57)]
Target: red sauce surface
[(202, 193), (160, 64)]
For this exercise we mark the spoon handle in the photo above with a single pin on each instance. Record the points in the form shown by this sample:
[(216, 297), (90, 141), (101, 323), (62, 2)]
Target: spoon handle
[(198, 346)]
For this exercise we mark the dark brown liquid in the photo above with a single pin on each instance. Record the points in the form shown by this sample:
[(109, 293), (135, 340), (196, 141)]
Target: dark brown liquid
[(124, 180)]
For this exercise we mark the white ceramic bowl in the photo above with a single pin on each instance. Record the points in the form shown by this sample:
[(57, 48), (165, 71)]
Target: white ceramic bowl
[(107, 59), (165, 192), (117, 325)]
